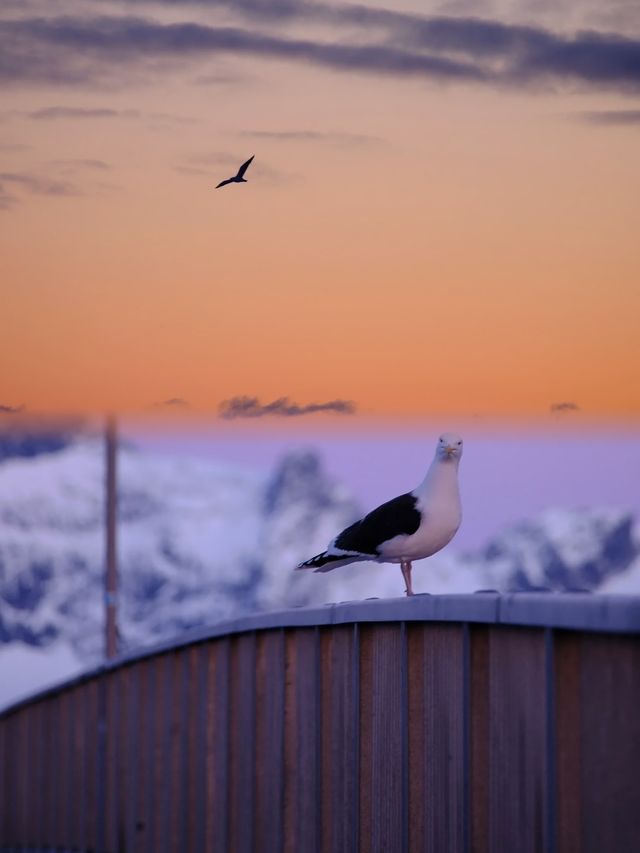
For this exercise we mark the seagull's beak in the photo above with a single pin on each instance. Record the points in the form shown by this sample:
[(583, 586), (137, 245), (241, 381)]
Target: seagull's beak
[(450, 450)]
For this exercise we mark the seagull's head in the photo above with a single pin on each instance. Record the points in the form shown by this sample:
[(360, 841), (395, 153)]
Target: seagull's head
[(449, 446)]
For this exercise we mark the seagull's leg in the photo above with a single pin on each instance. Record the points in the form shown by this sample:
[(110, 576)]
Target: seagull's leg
[(405, 566)]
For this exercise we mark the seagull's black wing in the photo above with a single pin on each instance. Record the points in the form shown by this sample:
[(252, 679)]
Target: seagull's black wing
[(393, 518), (244, 167), (224, 183)]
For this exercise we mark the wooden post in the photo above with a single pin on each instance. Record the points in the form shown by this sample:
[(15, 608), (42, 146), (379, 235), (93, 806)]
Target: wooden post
[(111, 565)]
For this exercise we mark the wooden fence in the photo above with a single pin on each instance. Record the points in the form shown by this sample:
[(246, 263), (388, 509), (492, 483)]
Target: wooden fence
[(445, 724)]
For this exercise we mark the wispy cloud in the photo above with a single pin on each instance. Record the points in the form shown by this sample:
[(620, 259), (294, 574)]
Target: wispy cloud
[(13, 147), (314, 136), (10, 410), (563, 408), (72, 178), (7, 199), (465, 49), (222, 78), (612, 117), (172, 403), (56, 113), (64, 113), (79, 164), (39, 184), (251, 407)]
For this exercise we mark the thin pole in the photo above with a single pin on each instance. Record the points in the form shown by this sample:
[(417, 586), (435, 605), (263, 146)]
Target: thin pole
[(111, 573)]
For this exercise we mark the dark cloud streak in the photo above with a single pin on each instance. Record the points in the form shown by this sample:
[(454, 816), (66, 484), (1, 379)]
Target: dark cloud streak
[(563, 408), (251, 407), (440, 48), (314, 136), (612, 117), (172, 403), (39, 184), (55, 113)]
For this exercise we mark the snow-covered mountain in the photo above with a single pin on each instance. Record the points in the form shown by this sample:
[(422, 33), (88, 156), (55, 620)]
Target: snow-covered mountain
[(585, 549), (199, 541)]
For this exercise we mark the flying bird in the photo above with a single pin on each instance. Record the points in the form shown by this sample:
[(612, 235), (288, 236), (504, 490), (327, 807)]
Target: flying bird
[(239, 178), (410, 527)]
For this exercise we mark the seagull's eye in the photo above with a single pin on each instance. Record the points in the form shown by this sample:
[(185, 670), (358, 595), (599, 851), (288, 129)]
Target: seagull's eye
[(459, 443)]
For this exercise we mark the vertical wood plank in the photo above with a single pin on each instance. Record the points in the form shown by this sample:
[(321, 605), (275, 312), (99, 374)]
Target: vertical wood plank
[(163, 755), (78, 804), (111, 685), (479, 736), (21, 773), (302, 740), (201, 794), (4, 770), (568, 721), (242, 744), (517, 740), (175, 781), (340, 745), (73, 804), (33, 792), (436, 730), (192, 743), (610, 700), (269, 742), (133, 765), (217, 741), (381, 738), (49, 772), (94, 733), (149, 734)]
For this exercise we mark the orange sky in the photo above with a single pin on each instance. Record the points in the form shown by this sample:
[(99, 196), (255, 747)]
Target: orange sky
[(413, 246)]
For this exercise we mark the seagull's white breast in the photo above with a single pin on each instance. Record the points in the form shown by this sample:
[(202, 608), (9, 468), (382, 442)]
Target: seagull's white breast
[(437, 529)]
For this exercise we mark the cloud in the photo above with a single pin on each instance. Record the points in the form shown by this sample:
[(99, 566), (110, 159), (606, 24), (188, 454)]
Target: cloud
[(74, 50), (53, 181), (11, 147), (73, 165), (193, 171), (10, 410), (222, 78), (612, 117), (173, 403), (314, 136), (56, 113), (106, 40), (39, 184), (563, 408), (7, 199), (251, 407)]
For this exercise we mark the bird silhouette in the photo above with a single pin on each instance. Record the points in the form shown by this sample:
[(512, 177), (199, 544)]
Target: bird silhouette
[(239, 178)]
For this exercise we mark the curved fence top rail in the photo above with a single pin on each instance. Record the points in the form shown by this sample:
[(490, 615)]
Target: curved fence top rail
[(564, 611)]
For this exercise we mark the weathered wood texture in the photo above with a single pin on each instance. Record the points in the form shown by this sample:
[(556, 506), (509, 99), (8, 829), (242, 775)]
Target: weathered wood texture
[(419, 737)]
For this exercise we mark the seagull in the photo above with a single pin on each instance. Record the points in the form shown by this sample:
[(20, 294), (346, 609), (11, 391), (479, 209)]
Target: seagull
[(410, 527), (239, 178)]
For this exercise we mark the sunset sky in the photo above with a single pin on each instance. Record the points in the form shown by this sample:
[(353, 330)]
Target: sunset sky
[(443, 213)]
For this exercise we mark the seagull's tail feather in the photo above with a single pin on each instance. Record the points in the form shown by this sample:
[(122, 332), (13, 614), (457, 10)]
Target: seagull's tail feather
[(326, 562)]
